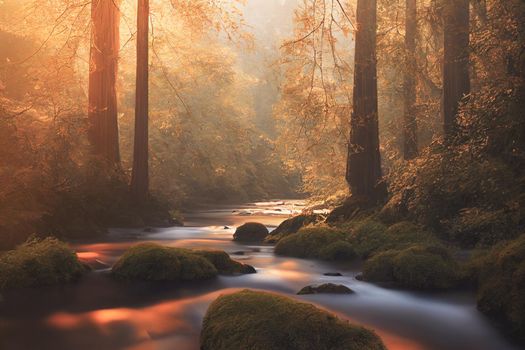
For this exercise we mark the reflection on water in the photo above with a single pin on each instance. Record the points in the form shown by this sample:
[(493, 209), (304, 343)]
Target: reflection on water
[(99, 313)]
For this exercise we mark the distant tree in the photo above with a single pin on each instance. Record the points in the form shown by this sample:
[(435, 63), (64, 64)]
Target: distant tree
[(140, 172), (456, 80), (104, 51), (363, 171), (410, 124)]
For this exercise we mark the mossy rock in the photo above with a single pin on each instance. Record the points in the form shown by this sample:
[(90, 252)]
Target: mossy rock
[(250, 232), (501, 293), (310, 243), (153, 262), (265, 321), (368, 236), (39, 262), (292, 225), (338, 251), (417, 267), (224, 264), (327, 288)]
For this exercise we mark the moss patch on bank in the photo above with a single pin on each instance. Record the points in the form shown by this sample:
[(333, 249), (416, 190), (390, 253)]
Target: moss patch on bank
[(416, 267), (319, 242), (39, 263), (501, 294), (265, 321)]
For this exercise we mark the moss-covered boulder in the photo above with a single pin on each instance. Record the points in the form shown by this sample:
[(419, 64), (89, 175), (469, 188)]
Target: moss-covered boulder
[(338, 251), (265, 321), (417, 267), (250, 232), (153, 262), (39, 262), (224, 264), (326, 288), (292, 225), (368, 236), (501, 293), (315, 242)]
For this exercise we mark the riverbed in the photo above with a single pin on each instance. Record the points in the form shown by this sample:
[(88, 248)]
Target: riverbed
[(100, 313)]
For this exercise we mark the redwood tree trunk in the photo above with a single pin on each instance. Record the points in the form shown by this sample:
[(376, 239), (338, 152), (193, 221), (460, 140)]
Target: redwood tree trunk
[(456, 81), (410, 123), (102, 111), (363, 171), (140, 172)]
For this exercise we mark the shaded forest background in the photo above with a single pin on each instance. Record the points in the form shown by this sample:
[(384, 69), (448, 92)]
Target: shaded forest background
[(245, 107)]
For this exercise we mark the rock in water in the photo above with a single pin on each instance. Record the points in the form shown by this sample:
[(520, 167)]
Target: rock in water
[(327, 288), (250, 232), (260, 320)]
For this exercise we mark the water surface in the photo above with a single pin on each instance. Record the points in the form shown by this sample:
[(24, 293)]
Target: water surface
[(99, 313)]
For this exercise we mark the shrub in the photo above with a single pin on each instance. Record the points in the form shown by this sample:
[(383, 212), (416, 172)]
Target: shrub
[(223, 263), (38, 263), (250, 232), (308, 242), (417, 267), (475, 226), (265, 321), (153, 262), (501, 292)]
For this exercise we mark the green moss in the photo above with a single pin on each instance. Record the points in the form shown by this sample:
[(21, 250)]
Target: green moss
[(417, 267), (37, 263), (501, 292), (338, 251), (406, 233), (291, 226), (309, 242), (380, 268), (264, 321), (250, 232), (368, 236), (153, 262), (223, 263)]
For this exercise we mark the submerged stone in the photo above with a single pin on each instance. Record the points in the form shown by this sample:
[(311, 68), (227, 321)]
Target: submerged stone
[(327, 288)]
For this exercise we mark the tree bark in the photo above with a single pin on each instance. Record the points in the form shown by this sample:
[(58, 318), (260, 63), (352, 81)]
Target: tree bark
[(140, 172), (456, 80), (102, 99), (410, 123), (363, 171)]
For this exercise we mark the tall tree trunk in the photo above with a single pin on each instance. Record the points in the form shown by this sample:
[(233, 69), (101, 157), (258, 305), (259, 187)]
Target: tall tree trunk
[(410, 123), (456, 81), (140, 173), (102, 111), (363, 171)]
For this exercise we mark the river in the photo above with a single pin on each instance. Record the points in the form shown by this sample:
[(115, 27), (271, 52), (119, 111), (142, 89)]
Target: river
[(100, 313)]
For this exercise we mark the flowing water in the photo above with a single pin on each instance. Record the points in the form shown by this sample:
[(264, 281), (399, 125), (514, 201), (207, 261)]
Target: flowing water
[(100, 313)]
